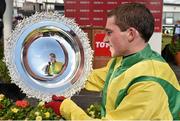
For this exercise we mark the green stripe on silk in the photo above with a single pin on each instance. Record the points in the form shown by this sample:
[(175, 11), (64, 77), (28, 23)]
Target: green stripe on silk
[(172, 93), (127, 62)]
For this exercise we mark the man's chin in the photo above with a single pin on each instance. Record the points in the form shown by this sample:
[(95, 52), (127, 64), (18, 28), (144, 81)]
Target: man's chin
[(113, 55)]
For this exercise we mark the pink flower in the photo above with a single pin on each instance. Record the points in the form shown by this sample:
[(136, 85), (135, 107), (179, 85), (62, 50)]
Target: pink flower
[(22, 103)]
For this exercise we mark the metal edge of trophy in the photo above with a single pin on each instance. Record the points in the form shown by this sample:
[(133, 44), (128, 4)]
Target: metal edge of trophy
[(48, 54)]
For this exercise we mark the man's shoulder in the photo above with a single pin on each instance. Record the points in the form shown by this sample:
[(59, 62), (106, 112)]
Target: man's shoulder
[(59, 63)]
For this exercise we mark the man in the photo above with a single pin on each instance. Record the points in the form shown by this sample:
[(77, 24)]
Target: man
[(137, 83), (53, 67)]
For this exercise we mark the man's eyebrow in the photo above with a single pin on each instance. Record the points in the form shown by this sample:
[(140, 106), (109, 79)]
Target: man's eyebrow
[(106, 30)]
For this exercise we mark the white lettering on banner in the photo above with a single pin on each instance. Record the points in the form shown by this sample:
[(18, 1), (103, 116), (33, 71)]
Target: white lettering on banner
[(84, 2), (112, 2), (70, 10), (155, 11), (71, 2), (98, 2), (83, 18), (156, 27), (157, 19), (101, 45), (98, 10), (84, 10), (98, 19), (108, 11), (155, 3)]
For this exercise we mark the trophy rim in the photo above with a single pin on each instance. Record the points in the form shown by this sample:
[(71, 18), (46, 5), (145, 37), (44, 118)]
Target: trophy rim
[(34, 86)]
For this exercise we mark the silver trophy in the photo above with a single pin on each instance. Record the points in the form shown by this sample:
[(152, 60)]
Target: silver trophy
[(48, 54)]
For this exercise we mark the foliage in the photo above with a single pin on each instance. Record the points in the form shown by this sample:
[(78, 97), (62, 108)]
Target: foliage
[(4, 73), (18, 111), (175, 46), (22, 110), (5, 103), (1, 49), (41, 113), (166, 40), (94, 111)]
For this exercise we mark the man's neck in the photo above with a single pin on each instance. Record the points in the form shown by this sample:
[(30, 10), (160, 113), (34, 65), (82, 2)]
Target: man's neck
[(136, 48)]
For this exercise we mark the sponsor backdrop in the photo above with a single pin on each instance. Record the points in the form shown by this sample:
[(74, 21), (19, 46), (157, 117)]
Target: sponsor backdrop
[(92, 14)]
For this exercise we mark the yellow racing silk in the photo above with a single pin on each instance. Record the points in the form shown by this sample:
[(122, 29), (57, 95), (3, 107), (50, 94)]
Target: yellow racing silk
[(55, 68), (141, 86)]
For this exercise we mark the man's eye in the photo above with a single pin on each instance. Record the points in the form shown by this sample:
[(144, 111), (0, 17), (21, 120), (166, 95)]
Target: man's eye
[(108, 32)]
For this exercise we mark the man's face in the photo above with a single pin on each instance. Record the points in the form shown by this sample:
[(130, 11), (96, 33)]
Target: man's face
[(52, 59), (116, 39)]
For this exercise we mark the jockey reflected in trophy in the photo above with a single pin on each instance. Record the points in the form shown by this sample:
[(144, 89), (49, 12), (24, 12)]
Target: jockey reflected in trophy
[(53, 67)]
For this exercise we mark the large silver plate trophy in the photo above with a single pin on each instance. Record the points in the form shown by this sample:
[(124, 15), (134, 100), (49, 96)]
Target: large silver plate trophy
[(48, 54)]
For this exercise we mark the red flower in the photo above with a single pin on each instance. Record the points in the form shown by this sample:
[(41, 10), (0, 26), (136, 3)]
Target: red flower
[(1, 106), (22, 103)]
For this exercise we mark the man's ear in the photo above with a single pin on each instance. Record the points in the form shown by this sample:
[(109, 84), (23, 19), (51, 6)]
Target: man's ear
[(132, 32)]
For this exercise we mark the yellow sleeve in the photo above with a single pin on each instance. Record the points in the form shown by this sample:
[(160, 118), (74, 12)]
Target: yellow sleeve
[(144, 101), (70, 111), (95, 81)]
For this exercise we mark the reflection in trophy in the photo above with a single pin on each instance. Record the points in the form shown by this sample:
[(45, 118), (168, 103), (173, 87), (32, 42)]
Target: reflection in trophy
[(37, 72), (53, 67)]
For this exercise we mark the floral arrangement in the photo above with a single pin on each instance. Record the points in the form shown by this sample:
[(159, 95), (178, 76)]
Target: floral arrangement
[(94, 111), (18, 111), (41, 113), (22, 110), (5, 103)]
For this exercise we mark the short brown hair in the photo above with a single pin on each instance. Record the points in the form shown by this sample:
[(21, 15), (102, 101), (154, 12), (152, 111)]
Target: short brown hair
[(52, 55), (134, 15)]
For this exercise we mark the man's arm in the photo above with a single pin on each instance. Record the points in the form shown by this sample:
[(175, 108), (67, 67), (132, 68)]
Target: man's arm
[(145, 101), (95, 81)]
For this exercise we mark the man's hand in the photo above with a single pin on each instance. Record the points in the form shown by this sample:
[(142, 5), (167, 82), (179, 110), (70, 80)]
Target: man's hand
[(55, 103)]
